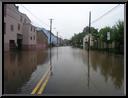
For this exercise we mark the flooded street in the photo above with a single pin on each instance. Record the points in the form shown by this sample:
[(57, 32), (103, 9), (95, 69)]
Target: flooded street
[(23, 69), (72, 74)]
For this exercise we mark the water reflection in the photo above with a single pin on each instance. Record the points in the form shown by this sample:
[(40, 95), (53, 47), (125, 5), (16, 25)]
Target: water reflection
[(72, 75), (111, 66), (71, 72), (18, 67), (57, 53)]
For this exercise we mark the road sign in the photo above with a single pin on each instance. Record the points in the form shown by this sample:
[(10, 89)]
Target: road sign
[(108, 35)]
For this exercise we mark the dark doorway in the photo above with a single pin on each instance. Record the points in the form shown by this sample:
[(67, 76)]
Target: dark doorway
[(19, 41), (12, 44), (19, 44)]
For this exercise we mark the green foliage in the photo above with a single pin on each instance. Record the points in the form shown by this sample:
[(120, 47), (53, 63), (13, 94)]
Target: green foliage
[(116, 35), (77, 39), (94, 32), (118, 31), (103, 33)]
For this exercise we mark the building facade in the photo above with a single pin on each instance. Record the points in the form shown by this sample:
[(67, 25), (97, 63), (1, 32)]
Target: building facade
[(42, 40), (11, 21), (47, 33), (29, 36), (19, 33), (86, 40)]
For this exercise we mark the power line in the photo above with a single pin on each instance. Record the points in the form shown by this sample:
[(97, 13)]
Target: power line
[(105, 14), (34, 15)]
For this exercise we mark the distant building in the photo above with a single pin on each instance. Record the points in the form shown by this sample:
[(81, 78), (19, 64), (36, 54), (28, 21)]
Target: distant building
[(86, 40), (60, 42), (53, 37), (18, 31), (29, 36), (42, 40), (66, 42)]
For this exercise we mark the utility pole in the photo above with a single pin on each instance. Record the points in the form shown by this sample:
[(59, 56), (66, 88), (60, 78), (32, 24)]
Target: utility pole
[(89, 47), (89, 30), (50, 41), (57, 39), (57, 45)]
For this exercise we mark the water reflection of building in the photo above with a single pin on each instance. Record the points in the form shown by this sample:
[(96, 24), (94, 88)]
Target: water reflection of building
[(18, 68), (42, 56)]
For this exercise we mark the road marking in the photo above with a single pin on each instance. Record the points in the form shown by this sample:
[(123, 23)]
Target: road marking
[(40, 82), (44, 85)]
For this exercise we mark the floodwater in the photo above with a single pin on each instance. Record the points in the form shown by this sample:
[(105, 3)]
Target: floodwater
[(22, 70), (72, 72)]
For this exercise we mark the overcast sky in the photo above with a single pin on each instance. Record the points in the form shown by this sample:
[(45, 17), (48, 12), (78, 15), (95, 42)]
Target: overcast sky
[(71, 18)]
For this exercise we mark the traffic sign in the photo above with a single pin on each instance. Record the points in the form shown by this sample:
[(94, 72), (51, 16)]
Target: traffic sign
[(108, 35)]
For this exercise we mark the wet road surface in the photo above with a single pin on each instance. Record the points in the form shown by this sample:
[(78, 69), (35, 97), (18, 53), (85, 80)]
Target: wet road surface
[(71, 72)]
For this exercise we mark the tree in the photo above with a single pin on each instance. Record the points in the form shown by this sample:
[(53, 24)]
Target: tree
[(118, 35), (118, 31), (93, 31), (77, 39), (103, 34)]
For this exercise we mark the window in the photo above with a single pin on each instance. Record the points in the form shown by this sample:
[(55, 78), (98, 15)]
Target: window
[(4, 28), (21, 18), (31, 38), (12, 44), (5, 9), (12, 27), (18, 26), (31, 28), (35, 29), (25, 20)]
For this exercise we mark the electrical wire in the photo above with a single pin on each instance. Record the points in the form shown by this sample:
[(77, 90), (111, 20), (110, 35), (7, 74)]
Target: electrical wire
[(104, 14), (34, 15)]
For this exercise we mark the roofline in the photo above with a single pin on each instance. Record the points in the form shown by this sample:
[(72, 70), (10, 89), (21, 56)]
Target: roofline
[(42, 32)]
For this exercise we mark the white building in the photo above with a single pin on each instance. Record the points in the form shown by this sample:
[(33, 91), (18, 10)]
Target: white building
[(29, 34), (17, 29), (86, 40)]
